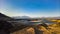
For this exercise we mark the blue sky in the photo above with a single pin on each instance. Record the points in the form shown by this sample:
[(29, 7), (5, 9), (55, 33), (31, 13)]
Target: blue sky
[(32, 8)]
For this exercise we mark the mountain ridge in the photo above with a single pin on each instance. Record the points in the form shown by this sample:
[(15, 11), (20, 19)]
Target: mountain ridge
[(4, 17)]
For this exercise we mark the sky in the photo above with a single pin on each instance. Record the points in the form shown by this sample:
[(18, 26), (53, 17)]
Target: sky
[(32, 8)]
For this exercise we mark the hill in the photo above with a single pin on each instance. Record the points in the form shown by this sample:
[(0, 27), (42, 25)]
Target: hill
[(4, 17)]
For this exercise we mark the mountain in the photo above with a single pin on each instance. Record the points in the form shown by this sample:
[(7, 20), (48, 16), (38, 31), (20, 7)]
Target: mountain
[(21, 17), (4, 17)]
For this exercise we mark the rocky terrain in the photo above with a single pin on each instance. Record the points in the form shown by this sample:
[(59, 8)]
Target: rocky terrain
[(52, 29)]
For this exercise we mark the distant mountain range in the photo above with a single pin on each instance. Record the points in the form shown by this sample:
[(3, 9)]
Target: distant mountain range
[(21, 17), (27, 17), (4, 17), (53, 17)]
